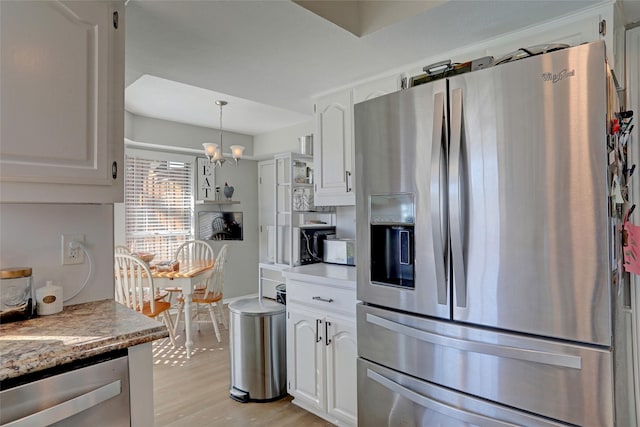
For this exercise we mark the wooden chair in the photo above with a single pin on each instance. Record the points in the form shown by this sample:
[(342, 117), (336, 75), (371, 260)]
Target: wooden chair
[(211, 296), (135, 289), (194, 250), (122, 250), (191, 250)]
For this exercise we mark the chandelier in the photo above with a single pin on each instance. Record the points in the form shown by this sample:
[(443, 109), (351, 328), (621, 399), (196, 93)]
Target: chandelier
[(214, 152)]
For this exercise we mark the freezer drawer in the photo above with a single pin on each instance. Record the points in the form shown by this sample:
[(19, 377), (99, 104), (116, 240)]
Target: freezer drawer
[(389, 398), (562, 381)]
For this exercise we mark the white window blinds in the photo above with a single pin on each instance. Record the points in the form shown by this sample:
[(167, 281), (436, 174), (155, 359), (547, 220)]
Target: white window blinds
[(158, 203)]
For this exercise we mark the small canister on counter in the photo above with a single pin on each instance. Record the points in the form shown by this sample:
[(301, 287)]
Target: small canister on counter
[(48, 299), (16, 294)]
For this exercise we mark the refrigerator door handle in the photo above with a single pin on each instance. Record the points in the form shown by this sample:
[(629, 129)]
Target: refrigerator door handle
[(450, 411), (529, 355), (436, 197), (455, 198)]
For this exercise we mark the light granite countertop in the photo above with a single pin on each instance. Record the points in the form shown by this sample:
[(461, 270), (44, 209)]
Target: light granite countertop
[(78, 332), (324, 274)]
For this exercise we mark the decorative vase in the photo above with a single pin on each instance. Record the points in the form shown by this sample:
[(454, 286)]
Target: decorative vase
[(228, 191)]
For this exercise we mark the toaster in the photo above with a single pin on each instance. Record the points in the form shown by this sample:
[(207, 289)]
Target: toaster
[(340, 251)]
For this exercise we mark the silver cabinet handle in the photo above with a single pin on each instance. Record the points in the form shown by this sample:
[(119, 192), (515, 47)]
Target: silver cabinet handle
[(425, 402), (322, 299), (68, 408), (455, 198), (318, 337), (347, 175), (438, 138), (327, 340), (537, 356)]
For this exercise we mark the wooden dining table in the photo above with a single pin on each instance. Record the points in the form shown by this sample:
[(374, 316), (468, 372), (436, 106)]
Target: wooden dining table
[(186, 277)]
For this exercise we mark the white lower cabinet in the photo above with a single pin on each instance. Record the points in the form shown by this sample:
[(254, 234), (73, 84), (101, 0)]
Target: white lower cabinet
[(341, 356), (322, 352), (305, 357)]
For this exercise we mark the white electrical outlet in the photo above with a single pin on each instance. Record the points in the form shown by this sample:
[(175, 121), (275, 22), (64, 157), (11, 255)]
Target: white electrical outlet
[(72, 254)]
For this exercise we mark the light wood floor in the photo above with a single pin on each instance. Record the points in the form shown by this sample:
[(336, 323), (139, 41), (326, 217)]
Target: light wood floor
[(195, 392)]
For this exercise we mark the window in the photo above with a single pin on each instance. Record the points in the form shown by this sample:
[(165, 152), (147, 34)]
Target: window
[(158, 199)]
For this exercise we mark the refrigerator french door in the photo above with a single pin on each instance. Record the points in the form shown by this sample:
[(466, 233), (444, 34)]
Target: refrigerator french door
[(485, 247), (505, 171)]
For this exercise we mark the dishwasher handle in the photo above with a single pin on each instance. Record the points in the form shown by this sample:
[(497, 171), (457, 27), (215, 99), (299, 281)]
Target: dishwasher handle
[(68, 408)]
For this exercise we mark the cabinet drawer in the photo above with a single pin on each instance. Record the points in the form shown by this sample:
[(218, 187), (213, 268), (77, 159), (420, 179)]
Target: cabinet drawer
[(322, 297)]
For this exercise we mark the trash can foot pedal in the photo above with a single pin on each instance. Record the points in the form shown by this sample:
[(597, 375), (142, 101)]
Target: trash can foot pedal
[(239, 395)]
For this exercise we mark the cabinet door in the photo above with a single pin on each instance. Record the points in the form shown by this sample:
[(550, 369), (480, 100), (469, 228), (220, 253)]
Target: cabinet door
[(341, 356), (266, 210), (305, 365), (62, 84), (333, 152)]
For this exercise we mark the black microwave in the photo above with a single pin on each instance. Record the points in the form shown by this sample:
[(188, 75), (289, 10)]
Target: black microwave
[(310, 243)]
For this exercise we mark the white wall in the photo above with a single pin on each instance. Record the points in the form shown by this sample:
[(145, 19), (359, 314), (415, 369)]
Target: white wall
[(128, 125), (172, 134), (241, 275), (281, 141), (31, 237)]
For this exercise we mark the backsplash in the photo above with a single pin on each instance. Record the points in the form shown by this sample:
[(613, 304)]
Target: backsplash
[(31, 237)]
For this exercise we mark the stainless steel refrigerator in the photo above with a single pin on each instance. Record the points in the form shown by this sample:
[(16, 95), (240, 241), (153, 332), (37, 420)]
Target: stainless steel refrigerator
[(488, 250)]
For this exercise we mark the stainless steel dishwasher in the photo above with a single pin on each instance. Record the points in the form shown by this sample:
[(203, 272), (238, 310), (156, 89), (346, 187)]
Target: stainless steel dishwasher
[(93, 392)]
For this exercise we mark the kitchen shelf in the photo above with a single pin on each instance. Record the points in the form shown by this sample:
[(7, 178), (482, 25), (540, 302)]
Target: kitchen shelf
[(217, 202), (293, 202)]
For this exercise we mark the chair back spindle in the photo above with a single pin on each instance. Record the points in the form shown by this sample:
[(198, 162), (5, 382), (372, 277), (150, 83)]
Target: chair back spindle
[(194, 250), (133, 280)]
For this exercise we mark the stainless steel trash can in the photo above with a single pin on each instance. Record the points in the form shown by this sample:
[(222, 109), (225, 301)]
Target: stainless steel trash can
[(257, 346)]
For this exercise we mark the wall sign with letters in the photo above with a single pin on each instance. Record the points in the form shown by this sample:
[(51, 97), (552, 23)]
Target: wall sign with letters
[(206, 180)]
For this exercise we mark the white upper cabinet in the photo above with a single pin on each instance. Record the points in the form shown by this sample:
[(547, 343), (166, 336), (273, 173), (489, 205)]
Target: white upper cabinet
[(334, 150), (62, 103)]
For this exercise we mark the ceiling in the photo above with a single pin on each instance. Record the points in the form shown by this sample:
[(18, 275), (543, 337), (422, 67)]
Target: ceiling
[(269, 58)]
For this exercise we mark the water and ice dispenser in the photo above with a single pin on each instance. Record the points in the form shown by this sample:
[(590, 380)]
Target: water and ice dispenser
[(391, 218)]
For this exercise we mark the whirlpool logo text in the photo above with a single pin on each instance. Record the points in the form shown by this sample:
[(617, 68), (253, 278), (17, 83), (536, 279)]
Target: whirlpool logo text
[(556, 77)]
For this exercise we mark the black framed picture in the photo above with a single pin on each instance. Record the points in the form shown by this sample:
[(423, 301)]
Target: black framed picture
[(220, 225)]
